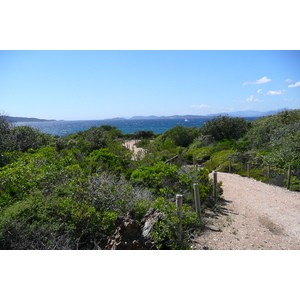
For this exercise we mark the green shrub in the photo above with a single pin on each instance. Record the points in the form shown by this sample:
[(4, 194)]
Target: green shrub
[(225, 127), (202, 141), (43, 223), (159, 178), (44, 170), (295, 184), (104, 160), (264, 129), (192, 155), (111, 193), (220, 160), (177, 136), (142, 134), (165, 233), (25, 137)]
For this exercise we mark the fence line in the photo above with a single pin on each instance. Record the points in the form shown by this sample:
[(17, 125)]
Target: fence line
[(248, 170), (248, 167), (197, 200), (179, 197)]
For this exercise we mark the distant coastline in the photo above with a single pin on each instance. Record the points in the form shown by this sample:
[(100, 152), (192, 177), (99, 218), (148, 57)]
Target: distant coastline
[(241, 114), (23, 119)]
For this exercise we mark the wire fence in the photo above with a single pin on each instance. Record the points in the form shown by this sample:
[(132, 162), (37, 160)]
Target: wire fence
[(265, 173)]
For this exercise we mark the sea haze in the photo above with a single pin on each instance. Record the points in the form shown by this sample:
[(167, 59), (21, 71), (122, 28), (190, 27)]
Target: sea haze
[(62, 128)]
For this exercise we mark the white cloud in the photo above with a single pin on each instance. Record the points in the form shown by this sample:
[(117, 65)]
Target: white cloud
[(280, 92), (252, 99), (259, 81), (259, 91), (201, 106), (289, 80), (295, 85)]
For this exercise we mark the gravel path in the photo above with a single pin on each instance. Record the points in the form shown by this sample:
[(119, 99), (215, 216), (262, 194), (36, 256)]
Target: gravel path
[(130, 144), (253, 215)]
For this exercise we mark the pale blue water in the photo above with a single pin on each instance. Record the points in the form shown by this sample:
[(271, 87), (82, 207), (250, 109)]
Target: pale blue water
[(62, 128)]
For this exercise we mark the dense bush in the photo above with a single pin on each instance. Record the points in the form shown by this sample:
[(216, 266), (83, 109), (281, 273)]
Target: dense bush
[(225, 127), (194, 156), (21, 138), (65, 192), (165, 234), (25, 137), (264, 129), (285, 145), (142, 134), (178, 136), (108, 192), (49, 223), (4, 134), (168, 180)]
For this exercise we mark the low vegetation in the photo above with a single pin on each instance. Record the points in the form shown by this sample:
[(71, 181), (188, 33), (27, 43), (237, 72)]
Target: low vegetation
[(66, 192)]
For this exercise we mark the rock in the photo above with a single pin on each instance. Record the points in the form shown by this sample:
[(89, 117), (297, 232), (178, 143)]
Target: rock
[(151, 217), (130, 235)]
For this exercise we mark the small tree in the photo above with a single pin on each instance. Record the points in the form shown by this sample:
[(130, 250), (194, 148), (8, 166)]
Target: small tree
[(142, 134), (180, 136), (4, 133), (25, 137), (225, 127)]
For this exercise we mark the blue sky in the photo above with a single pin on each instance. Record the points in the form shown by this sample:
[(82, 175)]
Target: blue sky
[(90, 85)]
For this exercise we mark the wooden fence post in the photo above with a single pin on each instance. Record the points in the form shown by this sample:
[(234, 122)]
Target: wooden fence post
[(215, 185), (248, 170), (179, 214), (229, 165), (269, 171), (197, 200), (289, 177)]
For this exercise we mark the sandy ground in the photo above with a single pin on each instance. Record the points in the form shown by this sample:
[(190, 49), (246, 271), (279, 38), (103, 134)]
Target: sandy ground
[(253, 215), (130, 144)]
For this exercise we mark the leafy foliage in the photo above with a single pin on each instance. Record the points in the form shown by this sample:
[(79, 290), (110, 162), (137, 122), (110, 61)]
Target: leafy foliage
[(263, 130), (41, 222), (65, 192), (225, 127), (179, 136)]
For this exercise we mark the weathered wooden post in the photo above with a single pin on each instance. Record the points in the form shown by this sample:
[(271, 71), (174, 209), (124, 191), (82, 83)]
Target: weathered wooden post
[(289, 177), (248, 170), (229, 166), (179, 214), (215, 186), (197, 200)]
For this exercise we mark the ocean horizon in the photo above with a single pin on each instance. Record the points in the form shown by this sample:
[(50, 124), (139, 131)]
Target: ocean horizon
[(62, 128)]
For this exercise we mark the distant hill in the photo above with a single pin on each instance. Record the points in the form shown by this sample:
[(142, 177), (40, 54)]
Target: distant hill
[(247, 113), (167, 117), (23, 119), (115, 119)]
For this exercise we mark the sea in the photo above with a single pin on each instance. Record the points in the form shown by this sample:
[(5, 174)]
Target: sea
[(62, 128)]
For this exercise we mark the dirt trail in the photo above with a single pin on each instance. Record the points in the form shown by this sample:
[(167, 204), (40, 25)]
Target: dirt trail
[(130, 144), (254, 215)]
